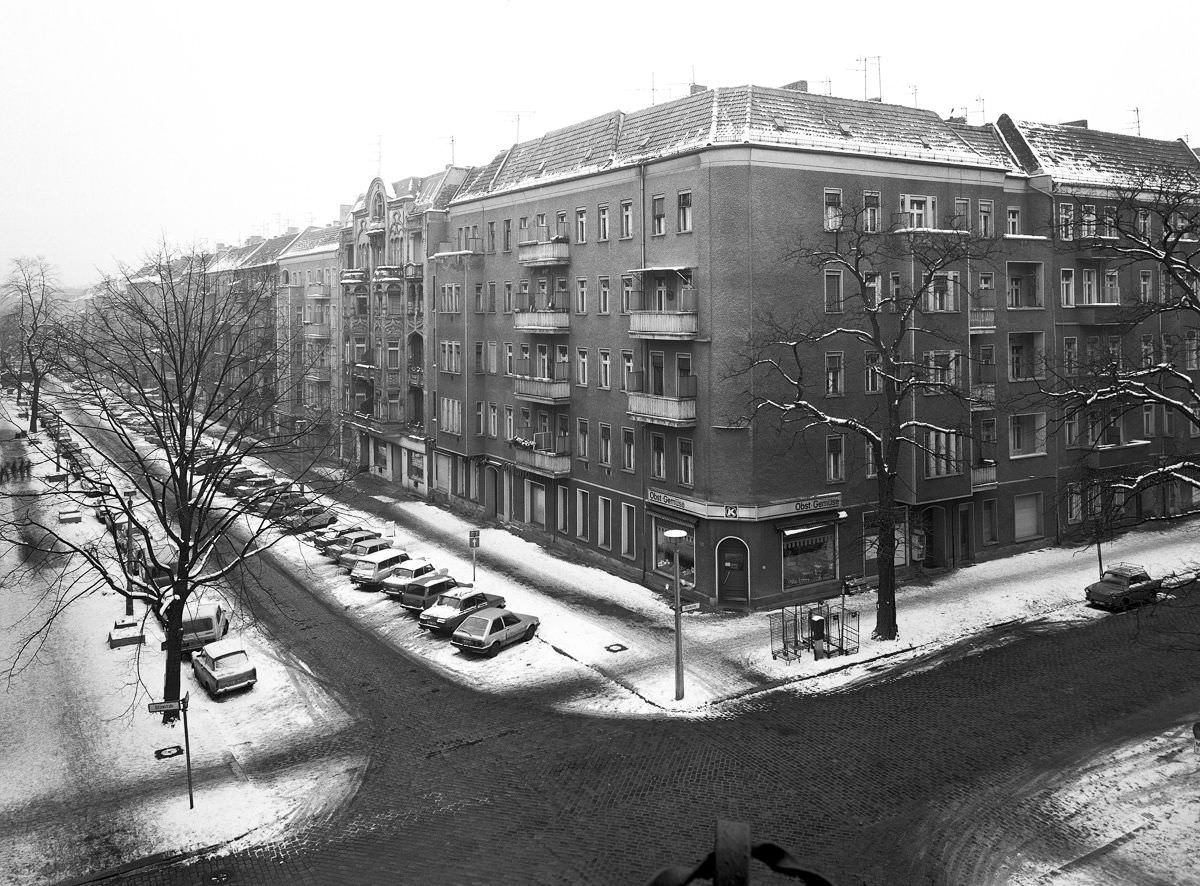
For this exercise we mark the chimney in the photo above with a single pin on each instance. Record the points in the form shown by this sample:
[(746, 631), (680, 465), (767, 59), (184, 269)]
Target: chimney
[(1078, 124), (220, 246), (956, 119), (253, 240), (798, 86), (344, 210), (293, 230), (697, 88)]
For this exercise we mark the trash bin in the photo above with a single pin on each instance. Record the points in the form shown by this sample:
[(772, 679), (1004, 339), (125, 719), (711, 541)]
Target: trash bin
[(816, 627)]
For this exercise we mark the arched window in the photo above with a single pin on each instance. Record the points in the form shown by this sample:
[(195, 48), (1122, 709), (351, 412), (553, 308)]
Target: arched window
[(286, 279), (378, 213)]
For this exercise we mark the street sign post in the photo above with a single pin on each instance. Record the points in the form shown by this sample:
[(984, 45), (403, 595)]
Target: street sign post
[(473, 543), (160, 707)]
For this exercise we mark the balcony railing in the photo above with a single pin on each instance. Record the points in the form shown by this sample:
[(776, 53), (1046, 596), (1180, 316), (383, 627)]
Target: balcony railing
[(552, 389), (674, 318), (543, 255), (354, 275), (548, 320), (983, 476), (315, 329), (983, 396), (983, 318), (389, 273), (674, 408), (416, 376), (549, 457), (317, 373), (317, 290)]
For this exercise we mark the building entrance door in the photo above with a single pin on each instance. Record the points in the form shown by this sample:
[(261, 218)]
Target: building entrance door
[(733, 572), (966, 551), (491, 491)]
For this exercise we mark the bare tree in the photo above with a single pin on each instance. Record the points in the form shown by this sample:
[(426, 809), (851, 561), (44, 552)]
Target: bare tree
[(899, 294), (29, 336), (173, 373)]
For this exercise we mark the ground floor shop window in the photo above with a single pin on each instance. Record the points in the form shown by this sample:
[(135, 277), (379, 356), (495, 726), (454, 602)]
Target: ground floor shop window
[(809, 555), (416, 466), (535, 503), (442, 465), (664, 552)]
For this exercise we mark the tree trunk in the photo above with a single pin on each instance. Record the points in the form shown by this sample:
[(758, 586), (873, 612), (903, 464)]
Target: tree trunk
[(34, 394), (885, 560), (171, 678)]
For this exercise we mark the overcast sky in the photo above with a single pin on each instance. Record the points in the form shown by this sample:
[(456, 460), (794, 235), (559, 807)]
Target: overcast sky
[(122, 123)]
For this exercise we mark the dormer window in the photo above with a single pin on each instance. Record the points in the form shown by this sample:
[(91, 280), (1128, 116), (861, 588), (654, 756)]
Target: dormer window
[(378, 212)]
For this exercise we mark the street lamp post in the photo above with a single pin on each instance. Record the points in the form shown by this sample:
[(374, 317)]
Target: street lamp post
[(676, 536)]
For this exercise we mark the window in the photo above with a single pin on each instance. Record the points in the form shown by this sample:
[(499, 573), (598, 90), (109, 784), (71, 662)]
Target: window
[(987, 281), (962, 214), (602, 222), (626, 294), (628, 462), (626, 219), (581, 296), (563, 515), (560, 218), (478, 357), (1148, 411), (493, 414), (491, 357), (870, 219), (941, 369), (605, 380), (833, 375), (1070, 355), (684, 218), (985, 218), (581, 438), (989, 522), (1110, 223), (626, 369), (580, 225), (1088, 286), (943, 454), (1143, 223), (1074, 503), (491, 236), (604, 456), (686, 476), (509, 429), (1066, 221), (869, 467), (895, 289), (1087, 222), (628, 530), (450, 416), (1027, 434), (479, 427), (871, 377), (603, 296), (561, 301), (581, 367), (1112, 289), (479, 303), (871, 290), (658, 456), (1191, 350), (603, 522), (1066, 287), (1014, 220), (450, 356), (918, 211), (658, 216), (1147, 351), (833, 292), (507, 234), (941, 292), (1145, 286), (833, 209), (1027, 516), (1071, 428), (835, 460), (393, 354), (508, 358)]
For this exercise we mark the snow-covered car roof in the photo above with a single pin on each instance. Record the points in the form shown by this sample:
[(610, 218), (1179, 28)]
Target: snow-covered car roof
[(221, 648)]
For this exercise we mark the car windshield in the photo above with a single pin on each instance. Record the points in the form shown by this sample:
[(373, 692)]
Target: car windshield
[(195, 625), (402, 572), (231, 661), (447, 600), (475, 626)]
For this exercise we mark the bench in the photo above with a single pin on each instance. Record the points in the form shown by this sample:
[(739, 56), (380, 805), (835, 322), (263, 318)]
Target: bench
[(858, 584)]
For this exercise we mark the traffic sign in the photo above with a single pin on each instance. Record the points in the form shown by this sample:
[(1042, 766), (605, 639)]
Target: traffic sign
[(159, 707), (474, 542), (474, 533)]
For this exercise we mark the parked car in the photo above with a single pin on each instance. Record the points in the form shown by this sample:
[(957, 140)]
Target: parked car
[(223, 666), (203, 623), (307, 517), (350, 555), (490, 630), (346, 541), (413, 578), (273, 505), (371, 569), (253, 486), (1123, 585), (322, 540), (452, 608), (234, 478)]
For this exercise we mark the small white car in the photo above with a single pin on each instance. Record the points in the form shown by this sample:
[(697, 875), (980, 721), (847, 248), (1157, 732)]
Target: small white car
[(223, 667), (489, 631)]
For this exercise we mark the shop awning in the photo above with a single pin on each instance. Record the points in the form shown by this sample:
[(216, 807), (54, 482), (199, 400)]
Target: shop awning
[(658, 269), (808, 528)]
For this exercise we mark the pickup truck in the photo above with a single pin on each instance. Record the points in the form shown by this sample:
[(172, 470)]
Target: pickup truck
[(452, 607)]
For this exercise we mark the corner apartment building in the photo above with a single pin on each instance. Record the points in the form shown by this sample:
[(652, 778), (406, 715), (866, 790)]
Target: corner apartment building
[(595, 288), (384, 317)]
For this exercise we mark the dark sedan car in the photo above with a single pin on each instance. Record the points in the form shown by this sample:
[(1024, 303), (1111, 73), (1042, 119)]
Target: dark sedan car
[(1122, 586)]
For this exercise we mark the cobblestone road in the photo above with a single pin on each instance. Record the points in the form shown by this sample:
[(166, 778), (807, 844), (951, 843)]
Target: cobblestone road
[(468, 788)]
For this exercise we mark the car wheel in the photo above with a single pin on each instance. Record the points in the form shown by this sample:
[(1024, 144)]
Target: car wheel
[(493, 650), (1124, 602), (530, 631)]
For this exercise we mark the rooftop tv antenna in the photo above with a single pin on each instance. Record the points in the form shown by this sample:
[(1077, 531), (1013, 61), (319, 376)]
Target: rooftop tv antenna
[(379, 154), (865, 63), (516, 116), (1137, 121), (912, 87), (828, 85), (982, 110)]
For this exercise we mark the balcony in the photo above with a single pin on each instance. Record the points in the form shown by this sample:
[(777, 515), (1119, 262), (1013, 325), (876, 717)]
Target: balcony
[(313, 329), (549, 457), (554, 390), (352, 276), (389, 274), (675, 318), (983, 476), (317, 290), (552, 321), (378, 425), (414, 270), (983, 319), (1117, 455), (416, 376), (673, 409), (376, 225), (544, 247), (983, 396), (317, 373), (1098, 314)]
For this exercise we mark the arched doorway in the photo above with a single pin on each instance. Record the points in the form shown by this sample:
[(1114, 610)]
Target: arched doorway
[(491, 491), (733, 572)]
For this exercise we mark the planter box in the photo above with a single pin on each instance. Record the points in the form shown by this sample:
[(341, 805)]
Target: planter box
[(70, 516), (125, 636)]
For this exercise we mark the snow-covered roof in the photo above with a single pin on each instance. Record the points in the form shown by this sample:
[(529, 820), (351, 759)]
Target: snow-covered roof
[(987, 142), (1075, 154), (314, 240), (738, 115), (270, 250)]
